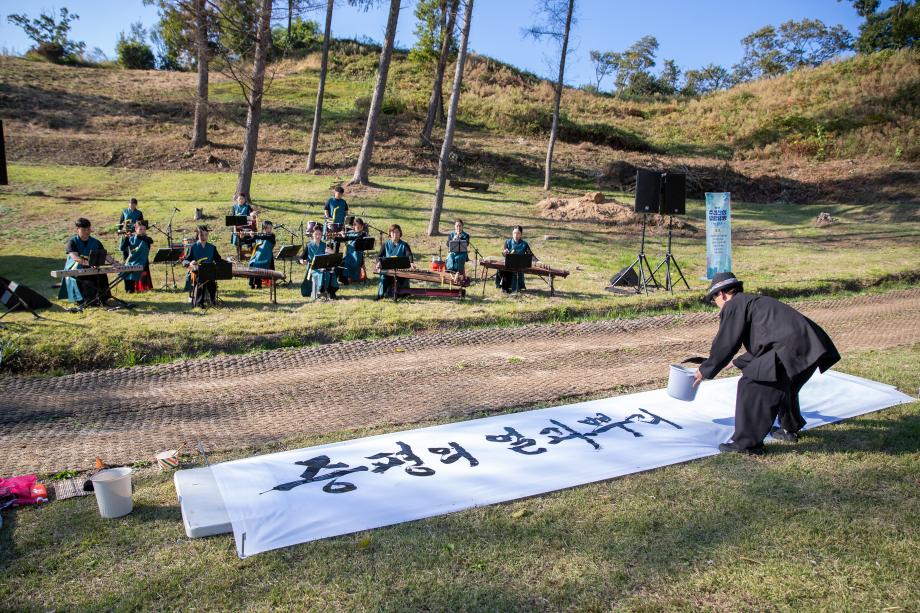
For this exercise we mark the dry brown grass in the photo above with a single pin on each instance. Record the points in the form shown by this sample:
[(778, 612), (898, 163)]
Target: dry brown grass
[(797, 128)]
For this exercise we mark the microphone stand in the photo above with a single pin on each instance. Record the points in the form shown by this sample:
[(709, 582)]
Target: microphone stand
[(169, 244), (476, 262), (293, 238)]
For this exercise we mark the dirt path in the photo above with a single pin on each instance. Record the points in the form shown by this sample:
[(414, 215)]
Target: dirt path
[(232, 402)]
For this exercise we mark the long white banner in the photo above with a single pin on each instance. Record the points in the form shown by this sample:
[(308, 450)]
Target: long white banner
[(297, 496)]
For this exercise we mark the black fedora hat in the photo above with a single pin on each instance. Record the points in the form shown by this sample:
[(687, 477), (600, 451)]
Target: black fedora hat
[(721, 282)]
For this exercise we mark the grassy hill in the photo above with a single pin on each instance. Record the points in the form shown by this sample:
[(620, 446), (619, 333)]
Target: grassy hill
[(863, 108)]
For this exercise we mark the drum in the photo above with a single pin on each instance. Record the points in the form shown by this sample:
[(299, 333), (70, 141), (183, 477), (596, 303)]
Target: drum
[(334, 228), (310, 226)]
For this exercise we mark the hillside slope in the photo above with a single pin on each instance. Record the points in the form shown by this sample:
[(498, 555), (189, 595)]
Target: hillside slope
[(790, 138)]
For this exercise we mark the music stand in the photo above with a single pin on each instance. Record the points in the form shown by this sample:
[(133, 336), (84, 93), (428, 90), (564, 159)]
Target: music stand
[(286, 255), (168, 255), (395, 263), (458, 246), (327, 261), (208, 272), (518, 261), (97, 258), (236, 220)]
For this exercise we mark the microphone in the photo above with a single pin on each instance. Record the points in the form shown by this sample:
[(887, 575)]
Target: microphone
[(176, 210)]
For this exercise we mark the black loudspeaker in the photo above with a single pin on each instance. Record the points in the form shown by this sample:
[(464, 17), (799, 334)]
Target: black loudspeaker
[(629, 278), (11, 293), (648, 191), (675, 194)]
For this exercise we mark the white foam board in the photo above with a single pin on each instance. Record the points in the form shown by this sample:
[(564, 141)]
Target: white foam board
[(203, 510)]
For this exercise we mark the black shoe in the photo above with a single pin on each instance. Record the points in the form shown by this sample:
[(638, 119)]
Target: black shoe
[(734, 448), (781, 434)]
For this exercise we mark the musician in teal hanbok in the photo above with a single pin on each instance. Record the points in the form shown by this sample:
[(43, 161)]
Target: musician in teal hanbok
[(395, 247), (139, 255), (241, 208), (129, 217), (324, 281), (336, 209), (85, 289), (200, 252), (456, 260), (511, 282), (263, 253), (353, 262)]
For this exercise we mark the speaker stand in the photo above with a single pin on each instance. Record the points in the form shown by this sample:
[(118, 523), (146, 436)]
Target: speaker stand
[(668, 261), (643, 264)]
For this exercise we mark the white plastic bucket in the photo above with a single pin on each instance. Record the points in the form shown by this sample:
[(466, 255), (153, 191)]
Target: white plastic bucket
[(113, 491), (680, 383)]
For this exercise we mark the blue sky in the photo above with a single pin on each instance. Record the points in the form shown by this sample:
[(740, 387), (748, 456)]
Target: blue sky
[(693, 32)]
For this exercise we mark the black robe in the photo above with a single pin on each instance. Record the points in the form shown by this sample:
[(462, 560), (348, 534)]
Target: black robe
[(772, 333), (783, 349)]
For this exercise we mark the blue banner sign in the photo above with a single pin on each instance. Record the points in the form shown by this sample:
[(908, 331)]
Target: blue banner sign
[(718, 233)]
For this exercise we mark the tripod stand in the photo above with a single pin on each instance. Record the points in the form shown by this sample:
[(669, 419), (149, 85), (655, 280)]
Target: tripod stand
[(670, 260), (288, 253), (641, 260), (169, 244)]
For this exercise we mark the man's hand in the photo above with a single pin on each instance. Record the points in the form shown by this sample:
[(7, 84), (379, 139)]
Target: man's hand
[(697, 378)]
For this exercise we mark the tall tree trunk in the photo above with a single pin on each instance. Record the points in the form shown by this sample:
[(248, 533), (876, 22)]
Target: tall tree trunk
[(254, 114), (444, 161), (318, 110), (436, 103), (200, 130), (439, 116), (367, 147), (290, 17), (558, 98)]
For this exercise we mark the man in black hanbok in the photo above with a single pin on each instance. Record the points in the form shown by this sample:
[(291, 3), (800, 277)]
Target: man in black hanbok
[(784, 348)]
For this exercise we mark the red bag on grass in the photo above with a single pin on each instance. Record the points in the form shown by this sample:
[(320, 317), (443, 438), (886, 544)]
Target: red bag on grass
[(26, 490)]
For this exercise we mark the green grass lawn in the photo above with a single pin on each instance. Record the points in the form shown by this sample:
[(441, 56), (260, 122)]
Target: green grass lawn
[(778, 249), (830, 524)]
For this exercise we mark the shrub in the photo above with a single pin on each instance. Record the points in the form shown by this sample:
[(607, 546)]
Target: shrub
[(305, 35), (51, 36), (133, 52), (135, 55)]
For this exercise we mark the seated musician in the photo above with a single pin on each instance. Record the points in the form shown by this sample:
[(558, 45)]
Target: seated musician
[(139, 255), (86, 289), (456, 262), (240, 208), (324, 281), (200, 252), (129, 217), (395, 247), (263, 254), (353, 262), (335, 209), (513, 281)]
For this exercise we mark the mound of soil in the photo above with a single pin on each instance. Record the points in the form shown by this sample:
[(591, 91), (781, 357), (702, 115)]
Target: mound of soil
[(593, 207)]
